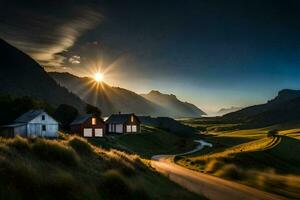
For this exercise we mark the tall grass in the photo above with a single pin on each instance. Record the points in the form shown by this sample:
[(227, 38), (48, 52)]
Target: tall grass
[(72, 168), (54, 151), (80, 145)]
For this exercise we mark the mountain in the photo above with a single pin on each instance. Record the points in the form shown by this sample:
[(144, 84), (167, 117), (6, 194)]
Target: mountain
[(115, 99), (174, 106), (108, 99), (20, 75), (224, 111), (285, 107)]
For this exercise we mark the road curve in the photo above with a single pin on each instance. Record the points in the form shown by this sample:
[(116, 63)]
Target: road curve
[(211, 187)]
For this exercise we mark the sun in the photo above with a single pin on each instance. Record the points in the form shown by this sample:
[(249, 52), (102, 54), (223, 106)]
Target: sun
[(98, 77)]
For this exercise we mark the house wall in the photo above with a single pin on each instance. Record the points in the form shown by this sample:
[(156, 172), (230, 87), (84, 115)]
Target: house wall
[(115, 128), (20, 130), (34, 127), (78, 128), (134, 122)]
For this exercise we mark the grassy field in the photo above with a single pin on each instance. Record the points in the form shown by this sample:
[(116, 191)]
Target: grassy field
[(253, 158), (72, 168), (151, 141)]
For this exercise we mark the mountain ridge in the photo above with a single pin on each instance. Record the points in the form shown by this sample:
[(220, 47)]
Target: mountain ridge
[(113, 99), (20, 75), (172, 103), (282, 108)]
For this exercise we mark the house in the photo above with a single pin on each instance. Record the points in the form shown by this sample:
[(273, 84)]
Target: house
[(123, 123), (34, 123), (88, 126)]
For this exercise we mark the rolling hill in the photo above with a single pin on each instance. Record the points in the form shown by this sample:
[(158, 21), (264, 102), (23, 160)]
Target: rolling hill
[(252, 157), (173, 105), (20, 75), (76, 169), (284, 107), (115, 99)]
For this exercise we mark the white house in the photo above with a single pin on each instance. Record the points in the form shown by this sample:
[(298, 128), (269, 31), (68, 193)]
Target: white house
[(34, 123)]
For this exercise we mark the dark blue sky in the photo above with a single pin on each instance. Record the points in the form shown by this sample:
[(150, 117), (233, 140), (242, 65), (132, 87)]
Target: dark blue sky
[(212, 53)]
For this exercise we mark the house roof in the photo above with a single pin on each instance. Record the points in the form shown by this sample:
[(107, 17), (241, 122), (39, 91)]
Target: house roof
[(28, 116), (119, 118), (81, 118)]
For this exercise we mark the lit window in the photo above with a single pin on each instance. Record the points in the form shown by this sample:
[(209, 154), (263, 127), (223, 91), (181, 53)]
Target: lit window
[(134, 128), (128, 128), (93, 121), (131, 118)]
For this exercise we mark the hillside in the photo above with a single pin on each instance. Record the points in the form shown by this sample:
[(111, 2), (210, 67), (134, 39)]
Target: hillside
[(20, 75), (168, 124), (75, 169), (253, 158), (283, 108), (116, 99), (151, 141), (174, 106)]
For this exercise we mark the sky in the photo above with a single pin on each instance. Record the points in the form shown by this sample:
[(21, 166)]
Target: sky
[(214, 54)]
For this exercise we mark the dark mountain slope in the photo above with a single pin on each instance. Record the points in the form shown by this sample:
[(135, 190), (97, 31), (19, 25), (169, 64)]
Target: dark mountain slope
[(20, 75)]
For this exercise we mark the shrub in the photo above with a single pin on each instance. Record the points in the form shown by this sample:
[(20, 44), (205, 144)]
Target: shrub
[(54, 152), (230, 171), (80, 145)]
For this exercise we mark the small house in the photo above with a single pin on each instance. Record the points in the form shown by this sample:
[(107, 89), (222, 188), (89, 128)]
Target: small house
[(34, 123), (123, 123), (88, 126)]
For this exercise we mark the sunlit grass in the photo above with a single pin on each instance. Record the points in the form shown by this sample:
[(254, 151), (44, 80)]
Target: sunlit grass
[(72, 168), (268, 163)]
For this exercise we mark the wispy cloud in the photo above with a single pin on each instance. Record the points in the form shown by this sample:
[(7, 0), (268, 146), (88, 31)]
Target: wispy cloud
[(46, 32)]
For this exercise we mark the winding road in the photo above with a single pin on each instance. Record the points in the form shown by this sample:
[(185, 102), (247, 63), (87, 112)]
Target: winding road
[(211, 187)]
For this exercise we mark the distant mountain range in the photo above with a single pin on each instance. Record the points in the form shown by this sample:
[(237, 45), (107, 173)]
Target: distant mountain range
[(174, 106), (285, 107), (115, 99), (20, 75), (224, 111)]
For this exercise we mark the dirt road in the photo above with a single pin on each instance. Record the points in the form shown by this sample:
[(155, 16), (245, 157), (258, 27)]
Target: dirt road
[(211, 187)]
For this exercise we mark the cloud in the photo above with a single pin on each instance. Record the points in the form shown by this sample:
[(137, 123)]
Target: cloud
[(45, 31), (74, 60)]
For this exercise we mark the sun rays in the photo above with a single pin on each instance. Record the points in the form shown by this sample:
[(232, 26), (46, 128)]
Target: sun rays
[(98, 76)]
